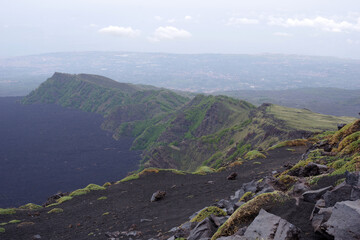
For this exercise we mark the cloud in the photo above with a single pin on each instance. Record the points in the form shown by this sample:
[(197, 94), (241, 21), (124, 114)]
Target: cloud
[(239, 21), (323, 23), (120, 31), (188, 18), (282, 34), (168, 33)]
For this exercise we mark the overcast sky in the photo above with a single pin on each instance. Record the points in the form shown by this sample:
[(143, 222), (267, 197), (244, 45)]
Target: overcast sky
[(309, 27)]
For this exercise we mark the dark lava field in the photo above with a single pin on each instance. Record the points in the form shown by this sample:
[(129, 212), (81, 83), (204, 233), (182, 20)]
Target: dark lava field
[(47, 148)]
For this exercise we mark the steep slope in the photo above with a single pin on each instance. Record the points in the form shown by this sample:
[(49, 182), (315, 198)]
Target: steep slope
[(117, 102), (215, 131)]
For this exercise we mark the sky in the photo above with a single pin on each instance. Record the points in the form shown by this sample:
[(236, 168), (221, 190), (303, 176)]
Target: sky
[(316, 27)]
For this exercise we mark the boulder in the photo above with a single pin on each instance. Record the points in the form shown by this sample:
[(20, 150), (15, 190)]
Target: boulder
[(320, 217), (238, 194), (204, 229), (158, 195), (232, 176), (270, 226), (352, 178), (250, 186), (344, 221), (341, 192), (341, 125), (314, 195), (226, 205)]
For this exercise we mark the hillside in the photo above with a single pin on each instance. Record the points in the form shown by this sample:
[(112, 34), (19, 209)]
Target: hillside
[(314, 198), (332, 101), (175, 132), (217, 130)]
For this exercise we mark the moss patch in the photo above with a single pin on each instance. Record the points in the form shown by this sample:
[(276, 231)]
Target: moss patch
[(56, 210), (107, 184), (207, 212), (290, 143), (248, 211), (79, 192), (94, 187), (203, 170), (30, 206), (102, 198), (14, 221), (2, 230), (7, 211)]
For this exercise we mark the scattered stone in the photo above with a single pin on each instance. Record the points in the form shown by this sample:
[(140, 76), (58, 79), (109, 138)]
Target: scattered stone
[(274, 172), (270, 226), (232, 176), (210, 182), (37, 236), (145, 220), (157, 196), (70, 225), (314, 195), (344, 221), (173, 186)]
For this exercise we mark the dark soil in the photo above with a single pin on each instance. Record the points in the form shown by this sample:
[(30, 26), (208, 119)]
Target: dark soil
[(48, 148), (129, 202)]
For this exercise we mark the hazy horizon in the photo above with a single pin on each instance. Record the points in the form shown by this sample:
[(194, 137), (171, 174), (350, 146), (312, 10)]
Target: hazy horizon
[(320, 28)]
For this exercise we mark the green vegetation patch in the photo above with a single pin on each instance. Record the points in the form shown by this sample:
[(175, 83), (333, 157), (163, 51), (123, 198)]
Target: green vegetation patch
[(7, 211), (203, 170), (56, 210), (105, 213), (79, 192), (107, 184), (350, 166), (290, 143), (102, 198), (94, 187), (3, 224), (14, 221), (248, 211), (207, 212), (2, 230), (30, 206), (63, 199), (254, 154)]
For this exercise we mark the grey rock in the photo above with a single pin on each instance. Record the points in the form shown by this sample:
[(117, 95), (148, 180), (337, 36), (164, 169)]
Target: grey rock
[(218, 221), (270, 226), (352, 178), (320, 217), (204, 229), (234, 237), (250, 186), (344, 221), (238, 204), (314, 195), (37, 236), (340, 193), (228, 206)]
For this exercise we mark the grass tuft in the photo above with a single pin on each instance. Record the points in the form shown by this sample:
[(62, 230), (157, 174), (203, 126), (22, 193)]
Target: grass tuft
[(30, 206), (7, 211)]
